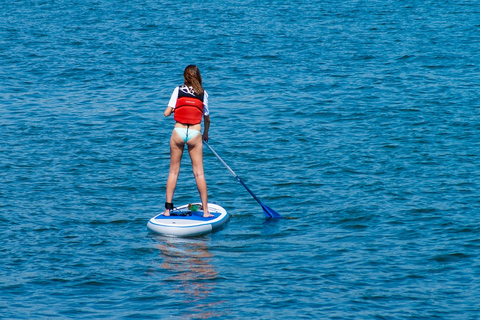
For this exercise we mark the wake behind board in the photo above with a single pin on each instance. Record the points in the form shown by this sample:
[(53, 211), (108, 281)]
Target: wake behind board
[(184, 222)]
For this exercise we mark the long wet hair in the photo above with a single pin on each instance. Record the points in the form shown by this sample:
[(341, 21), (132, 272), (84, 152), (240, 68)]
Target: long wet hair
[(192, 78)]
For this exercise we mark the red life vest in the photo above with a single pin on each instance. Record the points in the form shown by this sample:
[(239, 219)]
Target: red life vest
[(189, 108)]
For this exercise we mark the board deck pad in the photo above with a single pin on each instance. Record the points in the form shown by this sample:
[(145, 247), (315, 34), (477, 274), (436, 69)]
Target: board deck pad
[(185, 222), (187, 215)]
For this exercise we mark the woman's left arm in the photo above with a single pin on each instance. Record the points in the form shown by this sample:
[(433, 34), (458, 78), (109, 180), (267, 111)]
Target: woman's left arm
[(168, 111)]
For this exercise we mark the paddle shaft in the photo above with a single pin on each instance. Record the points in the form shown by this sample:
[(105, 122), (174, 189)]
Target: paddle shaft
[(234, 174)]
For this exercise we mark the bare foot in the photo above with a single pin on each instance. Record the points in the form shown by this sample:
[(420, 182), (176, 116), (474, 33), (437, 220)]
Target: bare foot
[(207, 214), (167, 213)]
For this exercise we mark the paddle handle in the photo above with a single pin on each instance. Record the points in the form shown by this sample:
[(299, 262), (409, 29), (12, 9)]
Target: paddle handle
[(221, 160)]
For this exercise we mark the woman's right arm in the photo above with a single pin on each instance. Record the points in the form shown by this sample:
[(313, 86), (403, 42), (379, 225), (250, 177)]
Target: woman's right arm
[(206, 124)]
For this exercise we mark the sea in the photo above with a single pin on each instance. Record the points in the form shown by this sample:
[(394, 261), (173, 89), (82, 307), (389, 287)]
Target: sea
[(357, 120)]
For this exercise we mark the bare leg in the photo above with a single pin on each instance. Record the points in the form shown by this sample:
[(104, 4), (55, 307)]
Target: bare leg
[(195, 149), (176, 152)]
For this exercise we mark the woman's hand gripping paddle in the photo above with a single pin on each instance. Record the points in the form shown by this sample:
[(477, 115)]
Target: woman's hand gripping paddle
[(269, 213)]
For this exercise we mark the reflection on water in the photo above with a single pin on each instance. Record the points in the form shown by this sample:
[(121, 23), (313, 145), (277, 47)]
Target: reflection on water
[(188, 265)]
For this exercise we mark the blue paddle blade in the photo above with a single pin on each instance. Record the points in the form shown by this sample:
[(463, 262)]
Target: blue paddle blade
[(270, 213)]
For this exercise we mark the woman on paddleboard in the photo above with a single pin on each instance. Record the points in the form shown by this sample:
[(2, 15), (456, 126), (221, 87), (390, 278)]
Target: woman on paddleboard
[(189, 104)]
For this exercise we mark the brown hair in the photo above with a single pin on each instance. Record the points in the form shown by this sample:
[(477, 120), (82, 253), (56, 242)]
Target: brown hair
[(193, 79)]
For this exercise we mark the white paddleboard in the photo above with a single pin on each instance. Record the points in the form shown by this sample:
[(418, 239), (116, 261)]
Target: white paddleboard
[(185, 222)]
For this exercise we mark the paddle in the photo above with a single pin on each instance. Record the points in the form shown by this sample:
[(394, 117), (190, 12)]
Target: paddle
[(269, 213)]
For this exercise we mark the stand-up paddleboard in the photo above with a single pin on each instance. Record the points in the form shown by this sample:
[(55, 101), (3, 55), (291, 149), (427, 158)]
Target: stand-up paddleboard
[(188, 221)]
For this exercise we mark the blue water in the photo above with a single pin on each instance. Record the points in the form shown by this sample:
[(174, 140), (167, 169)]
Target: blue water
[(358, 120)]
